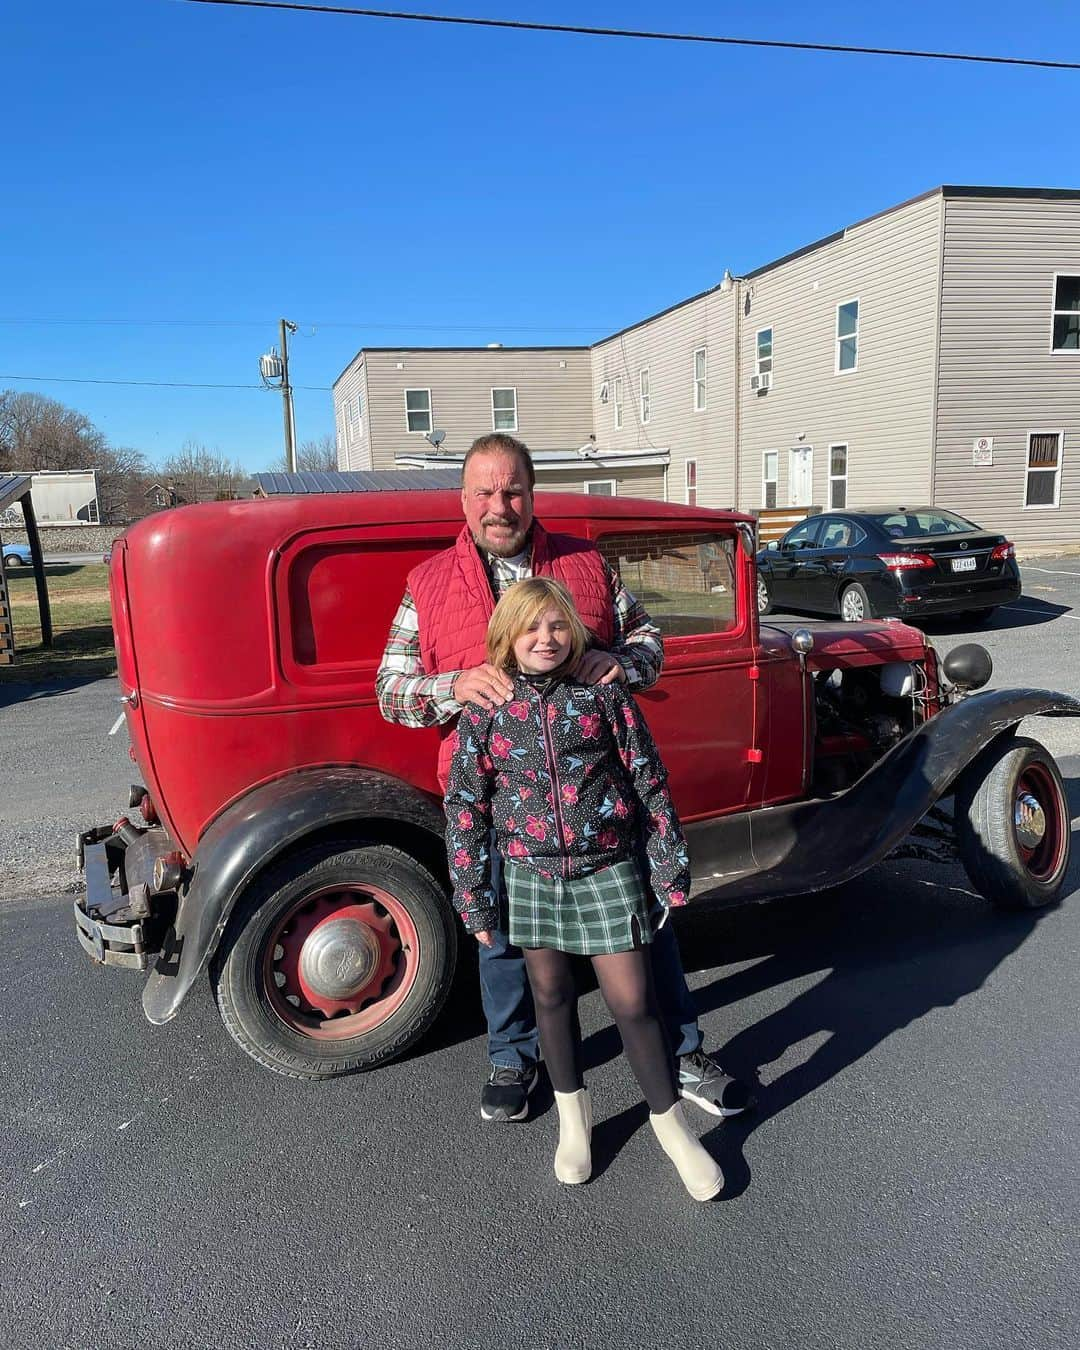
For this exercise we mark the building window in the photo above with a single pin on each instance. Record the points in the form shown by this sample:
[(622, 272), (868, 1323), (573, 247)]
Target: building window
[(504, 410), (358, 404), (418, 410), (1066, 314), (837, 477), (764, 351), (847, 337), (600, 487), (1043, 468), (342, 443), (770, 473), (618, 401), (646, 398), (701, 378), (691, 482)]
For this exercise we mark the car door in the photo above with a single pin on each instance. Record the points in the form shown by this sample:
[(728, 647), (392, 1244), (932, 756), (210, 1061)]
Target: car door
[(789, 560), (702, 710), (838, 543)]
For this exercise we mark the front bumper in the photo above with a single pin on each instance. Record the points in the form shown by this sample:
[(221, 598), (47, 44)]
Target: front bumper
[(109, 944)]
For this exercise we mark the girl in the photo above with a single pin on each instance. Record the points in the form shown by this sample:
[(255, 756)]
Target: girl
[(565, 780)]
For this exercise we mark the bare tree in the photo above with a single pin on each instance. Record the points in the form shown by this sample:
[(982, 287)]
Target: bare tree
[(38, 434), (311, 456), (199, 474)]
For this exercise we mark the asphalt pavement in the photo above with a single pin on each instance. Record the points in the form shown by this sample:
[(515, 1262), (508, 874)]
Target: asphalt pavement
[(909, 1179)]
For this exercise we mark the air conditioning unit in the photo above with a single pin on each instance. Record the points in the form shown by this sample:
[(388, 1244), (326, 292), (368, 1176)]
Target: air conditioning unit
[(604, 392), (759, 383)]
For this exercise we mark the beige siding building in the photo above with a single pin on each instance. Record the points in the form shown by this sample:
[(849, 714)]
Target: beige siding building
[(929, 354)]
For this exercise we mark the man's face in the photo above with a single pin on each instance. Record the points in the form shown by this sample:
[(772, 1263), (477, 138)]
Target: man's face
[(497, 502)]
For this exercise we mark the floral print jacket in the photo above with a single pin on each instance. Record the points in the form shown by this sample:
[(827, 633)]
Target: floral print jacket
[(570, 779)]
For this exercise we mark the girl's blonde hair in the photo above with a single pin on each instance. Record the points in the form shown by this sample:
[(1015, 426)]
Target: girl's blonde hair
[(520, 607)]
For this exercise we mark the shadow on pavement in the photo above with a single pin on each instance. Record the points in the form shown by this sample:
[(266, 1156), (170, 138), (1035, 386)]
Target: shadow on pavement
[(23, 691), (1027, 612), (885, 964)]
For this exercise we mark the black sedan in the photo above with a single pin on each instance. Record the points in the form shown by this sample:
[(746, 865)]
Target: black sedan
[(903, 561)]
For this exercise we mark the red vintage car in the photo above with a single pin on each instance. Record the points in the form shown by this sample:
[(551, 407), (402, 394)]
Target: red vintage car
[(288, 841)]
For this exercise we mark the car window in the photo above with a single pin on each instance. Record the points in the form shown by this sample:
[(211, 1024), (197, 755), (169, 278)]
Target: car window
[(842, 534), (685, 581), (803, 535), (915, 524)]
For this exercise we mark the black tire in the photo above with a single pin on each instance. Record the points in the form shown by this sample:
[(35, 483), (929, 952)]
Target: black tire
[(988, 802), (852, 598), (409, 945), (764, 597)]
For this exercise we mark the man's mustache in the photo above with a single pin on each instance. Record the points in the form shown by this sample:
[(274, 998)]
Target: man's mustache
[(500, 520)]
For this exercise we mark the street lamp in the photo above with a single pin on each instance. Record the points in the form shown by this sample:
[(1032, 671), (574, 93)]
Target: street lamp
[(273, 367)]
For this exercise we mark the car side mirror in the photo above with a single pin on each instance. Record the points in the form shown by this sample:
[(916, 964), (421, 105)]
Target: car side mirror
[(773, 546)]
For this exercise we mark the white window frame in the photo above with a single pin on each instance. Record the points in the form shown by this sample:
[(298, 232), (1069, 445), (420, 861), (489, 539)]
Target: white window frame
[(688, 487), (763, 364), (418, 431), (1059, 432), (837, 339), (502, 389), (617, 401), (765, 480), (645, 395), (701, 382), (839, 478), (359, 404), (601, 482), (1054, 312)]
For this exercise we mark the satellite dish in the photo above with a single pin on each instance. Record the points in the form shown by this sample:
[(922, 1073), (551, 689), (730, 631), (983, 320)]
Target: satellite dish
[(435, 437)]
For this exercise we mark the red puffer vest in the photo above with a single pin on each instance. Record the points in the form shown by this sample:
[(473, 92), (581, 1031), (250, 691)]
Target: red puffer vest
[(453, 599)]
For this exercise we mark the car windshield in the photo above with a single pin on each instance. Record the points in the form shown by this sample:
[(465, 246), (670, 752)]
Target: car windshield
[(915, 524)]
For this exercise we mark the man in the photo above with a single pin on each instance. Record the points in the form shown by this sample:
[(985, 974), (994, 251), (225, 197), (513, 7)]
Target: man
[(434, 664)]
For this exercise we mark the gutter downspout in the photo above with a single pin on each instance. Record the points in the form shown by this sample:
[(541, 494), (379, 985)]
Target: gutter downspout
[(735, 292)]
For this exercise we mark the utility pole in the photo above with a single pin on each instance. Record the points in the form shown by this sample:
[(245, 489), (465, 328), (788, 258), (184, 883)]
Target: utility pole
[(286, 396)]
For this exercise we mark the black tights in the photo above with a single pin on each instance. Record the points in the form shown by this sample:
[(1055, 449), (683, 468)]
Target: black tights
[(626, 984)]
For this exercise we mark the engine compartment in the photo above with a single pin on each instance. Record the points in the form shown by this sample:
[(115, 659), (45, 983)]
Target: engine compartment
[(860, 713)]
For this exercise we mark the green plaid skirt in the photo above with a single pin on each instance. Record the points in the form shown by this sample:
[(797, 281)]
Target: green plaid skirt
[(588, 916)]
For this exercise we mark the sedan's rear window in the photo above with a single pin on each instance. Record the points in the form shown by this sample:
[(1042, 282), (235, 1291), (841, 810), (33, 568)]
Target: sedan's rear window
[(915, 524)]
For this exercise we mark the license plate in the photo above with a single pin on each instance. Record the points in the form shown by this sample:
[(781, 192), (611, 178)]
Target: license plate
[(963, 564)]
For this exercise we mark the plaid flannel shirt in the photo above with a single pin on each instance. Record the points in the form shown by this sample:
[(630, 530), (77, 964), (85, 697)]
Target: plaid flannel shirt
[(411, 696)]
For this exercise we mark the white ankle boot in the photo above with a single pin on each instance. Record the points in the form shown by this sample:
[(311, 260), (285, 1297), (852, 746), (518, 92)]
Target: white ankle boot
[(697, 1167), (573, 1157)]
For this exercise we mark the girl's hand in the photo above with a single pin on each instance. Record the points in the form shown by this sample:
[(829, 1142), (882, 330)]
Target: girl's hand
[(485, 937)]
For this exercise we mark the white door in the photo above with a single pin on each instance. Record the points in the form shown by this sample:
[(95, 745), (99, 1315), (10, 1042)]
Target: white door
[(802, 475)]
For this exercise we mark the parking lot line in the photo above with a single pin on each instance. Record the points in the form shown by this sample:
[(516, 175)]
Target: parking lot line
[(1031, 609), (1050, 571)]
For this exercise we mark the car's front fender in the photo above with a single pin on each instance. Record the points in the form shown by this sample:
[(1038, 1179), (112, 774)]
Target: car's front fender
[(808, 845), (257, 828)]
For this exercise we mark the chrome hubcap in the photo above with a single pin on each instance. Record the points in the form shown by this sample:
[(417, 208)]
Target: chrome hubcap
[(852, 607), (762, 594), (1030, 821), (339, 958)]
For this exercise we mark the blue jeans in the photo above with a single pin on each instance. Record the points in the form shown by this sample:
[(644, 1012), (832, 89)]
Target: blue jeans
[(508, 1005)]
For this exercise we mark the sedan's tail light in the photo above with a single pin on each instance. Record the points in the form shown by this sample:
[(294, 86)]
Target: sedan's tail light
[(1003, 551), (901, 561)]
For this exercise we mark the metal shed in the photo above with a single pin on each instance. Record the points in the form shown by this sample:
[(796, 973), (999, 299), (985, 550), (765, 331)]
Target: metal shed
[(381, 480)]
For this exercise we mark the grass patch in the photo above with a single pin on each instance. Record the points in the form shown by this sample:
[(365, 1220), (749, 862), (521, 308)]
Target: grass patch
[(82, 625)]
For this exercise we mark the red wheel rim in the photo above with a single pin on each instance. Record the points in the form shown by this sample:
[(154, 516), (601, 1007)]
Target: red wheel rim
[(1044, 858), (370, 982)]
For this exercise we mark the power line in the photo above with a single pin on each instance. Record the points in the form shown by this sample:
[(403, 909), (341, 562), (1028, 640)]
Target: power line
[(153, 384), (582, 30), (306, 323)]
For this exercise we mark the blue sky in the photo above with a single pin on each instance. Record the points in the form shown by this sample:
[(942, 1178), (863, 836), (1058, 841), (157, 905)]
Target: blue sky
[(211, 169)]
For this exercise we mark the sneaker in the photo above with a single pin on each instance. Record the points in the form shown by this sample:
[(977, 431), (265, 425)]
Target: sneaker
[(506, 1094), (703, 1082)]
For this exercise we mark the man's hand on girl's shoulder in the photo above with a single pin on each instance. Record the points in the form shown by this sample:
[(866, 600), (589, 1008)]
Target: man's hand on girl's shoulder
[(600, 667), (487, 686)]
